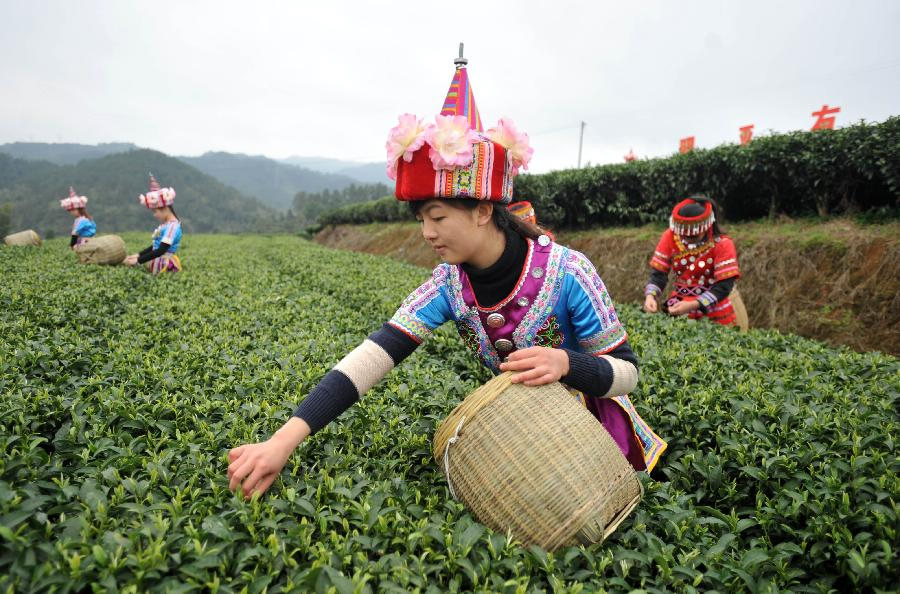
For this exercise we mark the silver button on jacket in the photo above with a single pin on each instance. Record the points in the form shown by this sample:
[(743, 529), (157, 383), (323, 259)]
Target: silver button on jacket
[(495, 320), (503, 345)]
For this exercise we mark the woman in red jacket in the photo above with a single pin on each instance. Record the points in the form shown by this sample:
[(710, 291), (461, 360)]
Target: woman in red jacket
[(703, 259)]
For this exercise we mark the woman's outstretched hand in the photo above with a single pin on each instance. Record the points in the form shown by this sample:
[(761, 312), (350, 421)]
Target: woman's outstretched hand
[(130, 260), (683, 307), (538, 365), (255, 466), (650, 304)]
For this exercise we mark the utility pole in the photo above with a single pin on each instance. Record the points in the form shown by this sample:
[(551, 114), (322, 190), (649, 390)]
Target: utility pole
[(580, 143)]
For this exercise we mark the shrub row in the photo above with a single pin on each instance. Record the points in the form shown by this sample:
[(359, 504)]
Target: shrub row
[(845, 171)]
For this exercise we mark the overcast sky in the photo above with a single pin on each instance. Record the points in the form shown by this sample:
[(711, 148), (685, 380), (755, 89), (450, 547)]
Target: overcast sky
[(330, 78)]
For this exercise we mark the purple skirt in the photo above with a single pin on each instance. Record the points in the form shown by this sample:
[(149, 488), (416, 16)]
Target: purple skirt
[(618, 424)]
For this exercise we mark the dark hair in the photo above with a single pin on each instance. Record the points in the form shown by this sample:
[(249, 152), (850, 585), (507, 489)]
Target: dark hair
[(704, 199), (172, 209), (501, 216), (83, 212)]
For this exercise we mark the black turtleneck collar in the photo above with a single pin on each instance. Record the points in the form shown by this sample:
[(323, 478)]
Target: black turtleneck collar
[(494, 283)]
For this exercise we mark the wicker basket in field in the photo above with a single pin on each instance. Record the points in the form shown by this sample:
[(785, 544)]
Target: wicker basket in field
[(740, 310), (105, 249), (23, 238), (534, 461)]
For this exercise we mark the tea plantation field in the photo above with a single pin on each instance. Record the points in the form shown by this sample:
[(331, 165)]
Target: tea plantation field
[(120, 395)]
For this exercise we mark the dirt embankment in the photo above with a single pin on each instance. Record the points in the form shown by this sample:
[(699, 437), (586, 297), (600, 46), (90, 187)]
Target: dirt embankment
[(837, 282)]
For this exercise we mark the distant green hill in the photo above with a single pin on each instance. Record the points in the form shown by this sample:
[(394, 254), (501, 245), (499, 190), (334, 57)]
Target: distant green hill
[(112, 185), (63, 153), (367, 173), (273, 182), (299, 188)]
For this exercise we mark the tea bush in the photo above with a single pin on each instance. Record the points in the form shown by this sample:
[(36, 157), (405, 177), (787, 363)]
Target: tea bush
[(121, 393)]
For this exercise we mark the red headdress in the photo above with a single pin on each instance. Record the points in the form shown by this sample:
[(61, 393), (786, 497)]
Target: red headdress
[(692, 217), (453, 158)]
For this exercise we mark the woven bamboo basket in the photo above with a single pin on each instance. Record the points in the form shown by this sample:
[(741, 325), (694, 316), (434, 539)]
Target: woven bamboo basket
[(23, 238), (105, 249), (740, 310), (535, 462)]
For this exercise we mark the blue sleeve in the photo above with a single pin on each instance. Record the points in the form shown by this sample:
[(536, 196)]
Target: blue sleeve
[(598, 329), (85, 228), (425, 309), (172, 233)]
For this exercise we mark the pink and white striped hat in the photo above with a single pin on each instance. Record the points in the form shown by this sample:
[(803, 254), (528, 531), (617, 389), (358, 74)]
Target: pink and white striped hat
[(157, 197), (74, 201)]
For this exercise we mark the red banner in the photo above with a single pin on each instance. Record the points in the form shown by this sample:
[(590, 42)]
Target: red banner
[(686, 145), (825, 123)]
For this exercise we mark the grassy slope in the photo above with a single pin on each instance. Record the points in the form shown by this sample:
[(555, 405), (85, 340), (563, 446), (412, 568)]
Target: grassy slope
[(835, 281), (838, 232), (122, 393)]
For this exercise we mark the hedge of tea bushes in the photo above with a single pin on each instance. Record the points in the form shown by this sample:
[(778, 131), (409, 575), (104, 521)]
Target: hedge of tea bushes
[(850, 170), (121, 393)]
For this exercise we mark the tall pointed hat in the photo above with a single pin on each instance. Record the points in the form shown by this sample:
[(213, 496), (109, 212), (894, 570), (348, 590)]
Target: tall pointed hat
[(157, 197), (460, 100), (453, 157)]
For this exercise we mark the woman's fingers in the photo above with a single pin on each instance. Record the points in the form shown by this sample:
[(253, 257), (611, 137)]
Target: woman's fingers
[(519, 365), (235, 453), (516, 355), (252, 480), (266, 482), (547, 378), (260, 486), (249, 471), (243, 468), (235, 464), (233, 479), (531, 374), (524, 359), (524, 353), (537, 366)]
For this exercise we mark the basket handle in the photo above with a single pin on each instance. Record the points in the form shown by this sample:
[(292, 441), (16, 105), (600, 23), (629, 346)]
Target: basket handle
[(447, 456)]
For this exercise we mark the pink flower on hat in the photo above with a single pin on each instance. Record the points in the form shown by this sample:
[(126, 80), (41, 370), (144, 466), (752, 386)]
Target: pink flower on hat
[(74, 201), (450, 139), (157, 197), (404, 139), (516, 143)]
